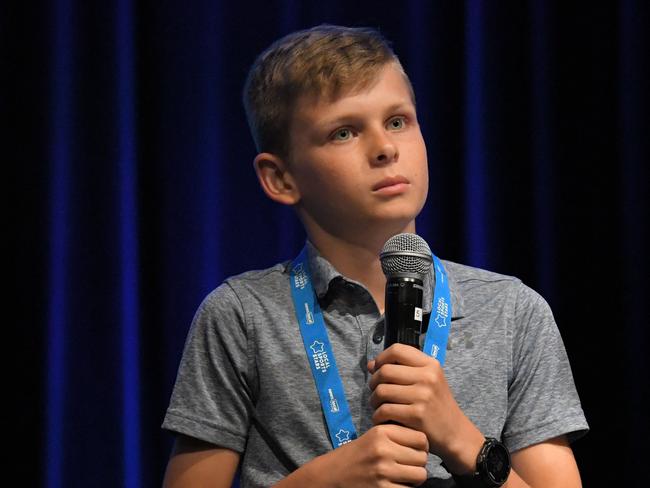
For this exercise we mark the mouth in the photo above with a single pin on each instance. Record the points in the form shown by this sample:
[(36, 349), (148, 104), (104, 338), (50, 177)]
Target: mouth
[(392, 184)]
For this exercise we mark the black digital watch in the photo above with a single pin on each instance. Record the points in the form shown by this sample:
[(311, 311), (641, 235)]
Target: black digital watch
[(492, 467)]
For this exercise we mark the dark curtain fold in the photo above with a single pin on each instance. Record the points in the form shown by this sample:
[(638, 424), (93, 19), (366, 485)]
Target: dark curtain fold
[(135, 196)]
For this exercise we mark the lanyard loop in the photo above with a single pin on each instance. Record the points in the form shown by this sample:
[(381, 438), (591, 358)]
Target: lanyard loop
[(435, 343)]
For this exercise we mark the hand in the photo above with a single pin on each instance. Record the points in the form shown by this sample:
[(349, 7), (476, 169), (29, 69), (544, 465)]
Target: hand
[(385, 456), (410, 388)]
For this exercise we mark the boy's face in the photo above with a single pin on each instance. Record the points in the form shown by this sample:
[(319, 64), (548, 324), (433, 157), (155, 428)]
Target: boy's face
[(360, 161)]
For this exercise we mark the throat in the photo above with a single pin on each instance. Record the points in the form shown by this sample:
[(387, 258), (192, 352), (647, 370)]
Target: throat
[(378, 292), (356, 257)]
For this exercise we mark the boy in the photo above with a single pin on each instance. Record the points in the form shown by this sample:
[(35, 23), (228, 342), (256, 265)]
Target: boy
[(333, 116)]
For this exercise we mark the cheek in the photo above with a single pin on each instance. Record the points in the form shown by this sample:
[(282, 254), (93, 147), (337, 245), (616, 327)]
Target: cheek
[(418, 159), (424, 165), (328, 181)]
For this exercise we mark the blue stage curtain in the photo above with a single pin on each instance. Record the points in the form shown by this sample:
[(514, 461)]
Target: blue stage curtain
[(135, 196)]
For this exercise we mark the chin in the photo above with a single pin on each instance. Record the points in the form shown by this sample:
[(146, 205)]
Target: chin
[(405, 213), (397, 222)]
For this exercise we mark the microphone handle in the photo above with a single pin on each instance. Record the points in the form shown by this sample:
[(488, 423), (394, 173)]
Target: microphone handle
[(403, 310), (403, 317)]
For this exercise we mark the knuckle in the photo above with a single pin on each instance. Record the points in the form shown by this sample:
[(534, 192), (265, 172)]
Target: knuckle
[(421, 474), (376, 419), (387, 372), (377, 449), (382, 452), (432, 378), (388, 412), (420, 410), (424, 394), (424, 441), (381, 375), (381, 430), (373, 401), (382, 469), (379, 413), (423, 458), (375, 434), (428, 398), (380, 390)]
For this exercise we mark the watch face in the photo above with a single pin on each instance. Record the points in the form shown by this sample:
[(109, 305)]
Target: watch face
[(497, 462)]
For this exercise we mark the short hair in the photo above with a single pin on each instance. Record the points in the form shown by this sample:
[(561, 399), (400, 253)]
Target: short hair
[(324, 61)]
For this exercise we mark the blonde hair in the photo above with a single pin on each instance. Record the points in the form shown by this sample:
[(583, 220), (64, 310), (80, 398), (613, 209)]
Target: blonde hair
[(324, 61)]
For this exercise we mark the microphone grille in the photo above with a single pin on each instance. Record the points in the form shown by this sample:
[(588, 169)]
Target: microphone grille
[(405, 253)]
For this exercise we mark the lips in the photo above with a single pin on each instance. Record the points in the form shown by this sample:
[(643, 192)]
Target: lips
[(390, 181)]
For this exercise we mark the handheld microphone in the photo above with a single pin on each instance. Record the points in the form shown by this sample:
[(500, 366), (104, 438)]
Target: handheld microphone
[(405, 260)]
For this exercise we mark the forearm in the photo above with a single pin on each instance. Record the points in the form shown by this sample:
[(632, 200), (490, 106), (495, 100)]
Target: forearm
[(515, 481), (550, 463), (315, 473), (195, 463)]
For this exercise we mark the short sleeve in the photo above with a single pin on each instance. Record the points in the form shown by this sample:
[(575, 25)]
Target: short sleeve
[(212, 396), (542, 399)]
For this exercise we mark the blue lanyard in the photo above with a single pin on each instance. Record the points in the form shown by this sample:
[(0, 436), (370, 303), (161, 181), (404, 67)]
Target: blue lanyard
[(435, 343), (321, 356)]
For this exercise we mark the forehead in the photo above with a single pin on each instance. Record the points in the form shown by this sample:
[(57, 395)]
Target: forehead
[(389, 88)]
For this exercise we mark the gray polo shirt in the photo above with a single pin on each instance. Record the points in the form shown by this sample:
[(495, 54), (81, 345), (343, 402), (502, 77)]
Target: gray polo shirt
[(244, 381)]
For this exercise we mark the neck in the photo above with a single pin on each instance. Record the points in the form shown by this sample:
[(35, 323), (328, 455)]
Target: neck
[(357, 260)]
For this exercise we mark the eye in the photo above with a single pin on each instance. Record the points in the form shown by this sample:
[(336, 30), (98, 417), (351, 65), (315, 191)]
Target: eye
[(397, 123), (342, 134)]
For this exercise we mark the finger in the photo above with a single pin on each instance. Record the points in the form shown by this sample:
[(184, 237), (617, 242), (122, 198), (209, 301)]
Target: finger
[(405, 436), (405, 475), (402, 354), (388, 393), (405, 415), (408, 456), (395, 374), (371, 366)]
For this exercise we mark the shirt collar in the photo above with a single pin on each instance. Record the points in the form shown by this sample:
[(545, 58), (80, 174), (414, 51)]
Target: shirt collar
[(324, 273)]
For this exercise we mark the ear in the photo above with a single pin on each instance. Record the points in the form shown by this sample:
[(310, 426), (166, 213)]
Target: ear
[(275, 179)]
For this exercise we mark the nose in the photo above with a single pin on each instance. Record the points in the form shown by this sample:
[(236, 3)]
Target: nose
[(383, 149)]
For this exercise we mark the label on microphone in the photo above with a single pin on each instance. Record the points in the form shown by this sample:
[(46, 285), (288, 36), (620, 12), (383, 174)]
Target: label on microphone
[(403, 316), (418, 314)]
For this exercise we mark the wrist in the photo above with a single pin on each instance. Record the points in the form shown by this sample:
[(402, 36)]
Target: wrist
[(461, 453), (493, 466), (322, 470)]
